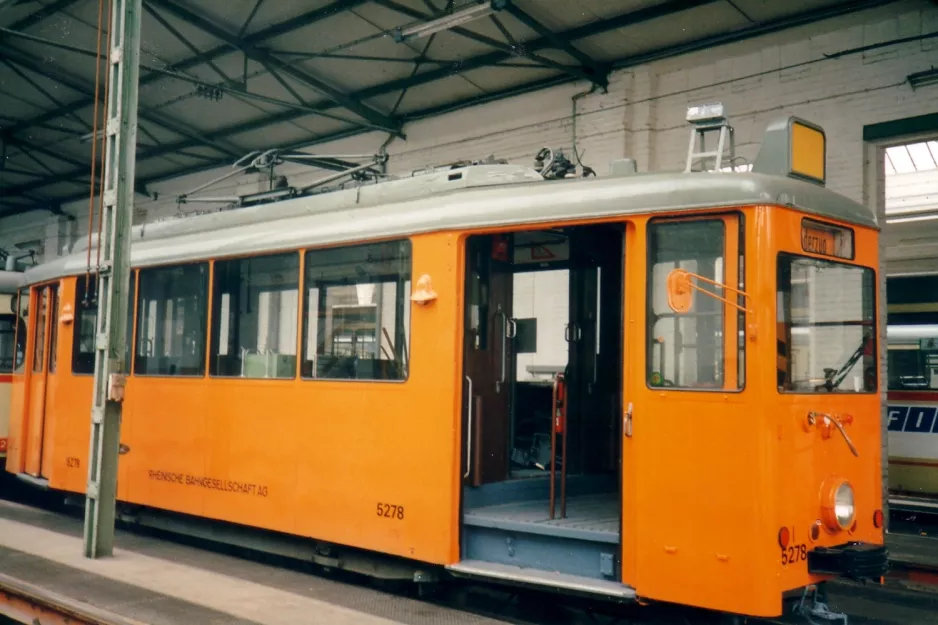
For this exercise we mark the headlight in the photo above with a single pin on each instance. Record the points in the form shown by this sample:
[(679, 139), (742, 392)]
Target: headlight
[(837, 505), (843, 505)]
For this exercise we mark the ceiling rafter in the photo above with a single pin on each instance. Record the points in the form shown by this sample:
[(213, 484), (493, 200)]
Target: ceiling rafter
[(559, 42), (276, 30), (510, 51), (341, 98), (494, 58), (581, 32), (40, 14), (32, 64)]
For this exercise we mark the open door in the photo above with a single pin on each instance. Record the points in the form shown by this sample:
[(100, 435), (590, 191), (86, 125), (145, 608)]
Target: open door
[(689, 440), (41, 363), (595, 336), (488, 360)]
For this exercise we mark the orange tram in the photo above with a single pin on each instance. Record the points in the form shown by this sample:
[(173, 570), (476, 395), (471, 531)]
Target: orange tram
[(654, 387)]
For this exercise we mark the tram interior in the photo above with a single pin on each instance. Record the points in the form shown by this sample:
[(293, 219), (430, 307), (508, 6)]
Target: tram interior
[(543, 304)]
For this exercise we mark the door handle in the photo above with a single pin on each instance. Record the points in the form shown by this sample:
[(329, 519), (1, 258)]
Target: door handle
[(469, 431), (504, 336), (627, 422)]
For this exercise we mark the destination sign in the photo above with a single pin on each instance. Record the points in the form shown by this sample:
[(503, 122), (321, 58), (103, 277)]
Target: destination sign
[(826, 240)]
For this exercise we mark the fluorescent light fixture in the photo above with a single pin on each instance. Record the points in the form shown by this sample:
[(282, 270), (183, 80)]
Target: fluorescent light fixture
[(923, 79), (472, 12), (705, 112)]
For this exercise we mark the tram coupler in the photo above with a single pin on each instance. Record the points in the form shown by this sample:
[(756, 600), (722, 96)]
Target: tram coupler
[(813, 607)]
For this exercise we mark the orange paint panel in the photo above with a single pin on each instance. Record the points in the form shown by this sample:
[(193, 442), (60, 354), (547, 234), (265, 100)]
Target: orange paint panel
[(803, 458), (15, 440), (311, 457)]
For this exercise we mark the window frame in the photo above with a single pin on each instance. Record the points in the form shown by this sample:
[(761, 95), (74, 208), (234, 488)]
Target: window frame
[(738, 323), (11, 318), (215, 336), (875, 305), (305, 310), (130, 348), (206, 318)]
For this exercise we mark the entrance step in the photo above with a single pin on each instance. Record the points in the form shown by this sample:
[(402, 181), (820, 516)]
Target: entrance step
[(585, 543), (532, 577)]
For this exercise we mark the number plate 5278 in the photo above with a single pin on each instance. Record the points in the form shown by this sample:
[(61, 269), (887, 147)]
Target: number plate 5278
[(793, 554), (390, 511)]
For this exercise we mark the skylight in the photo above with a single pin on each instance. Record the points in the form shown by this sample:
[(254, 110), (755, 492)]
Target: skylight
[(905, 159)]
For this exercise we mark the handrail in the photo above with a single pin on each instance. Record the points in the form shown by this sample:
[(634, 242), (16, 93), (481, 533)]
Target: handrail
[(558, 425)]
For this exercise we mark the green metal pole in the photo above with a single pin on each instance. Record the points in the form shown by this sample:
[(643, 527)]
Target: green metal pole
[(113, 277)]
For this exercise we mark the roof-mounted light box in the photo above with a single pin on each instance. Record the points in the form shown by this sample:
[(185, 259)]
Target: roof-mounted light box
[(795, 148)]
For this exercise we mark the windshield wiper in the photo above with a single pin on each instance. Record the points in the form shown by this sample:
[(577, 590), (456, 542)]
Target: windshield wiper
[(833, 377)]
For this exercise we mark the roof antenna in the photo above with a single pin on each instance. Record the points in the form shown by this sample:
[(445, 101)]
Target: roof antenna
[(708, 118)]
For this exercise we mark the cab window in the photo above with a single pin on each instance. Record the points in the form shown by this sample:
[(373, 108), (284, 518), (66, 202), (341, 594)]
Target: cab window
[(826, 326), (702, 347)]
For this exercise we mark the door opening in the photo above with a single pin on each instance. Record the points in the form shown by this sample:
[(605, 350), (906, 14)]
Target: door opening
[(543, 363)]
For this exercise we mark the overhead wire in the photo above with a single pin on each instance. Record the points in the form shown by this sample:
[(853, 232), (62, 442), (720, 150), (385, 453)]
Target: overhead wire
[(94, 145), (104, 142)]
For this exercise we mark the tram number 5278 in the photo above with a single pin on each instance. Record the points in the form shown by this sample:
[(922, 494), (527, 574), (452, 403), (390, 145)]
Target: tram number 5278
[(390, 511), (794, 553)]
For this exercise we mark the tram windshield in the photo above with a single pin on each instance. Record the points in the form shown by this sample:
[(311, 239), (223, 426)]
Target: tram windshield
[(826, 326)]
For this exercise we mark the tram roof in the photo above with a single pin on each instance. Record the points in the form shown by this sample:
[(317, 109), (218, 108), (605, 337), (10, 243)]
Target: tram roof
[(10, 281), (455, 199)]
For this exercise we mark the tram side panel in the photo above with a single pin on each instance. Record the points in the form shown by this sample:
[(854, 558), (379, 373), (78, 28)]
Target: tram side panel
[(371, 464), (913, 444)]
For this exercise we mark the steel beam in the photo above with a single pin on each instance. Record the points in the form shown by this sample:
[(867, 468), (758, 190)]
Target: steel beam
[(558, 41), (588, 30), (113, 277), (40, 14), (156, 117), (341, 98), (290, 25), (592, 75)]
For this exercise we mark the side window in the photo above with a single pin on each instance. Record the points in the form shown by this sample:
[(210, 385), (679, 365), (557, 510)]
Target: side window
[(22, 306), (86, 315), (686, 350), (171, 319), (357, 312), (42, 297), (86, 312), (254, 317), (53, 326), (7, 342)]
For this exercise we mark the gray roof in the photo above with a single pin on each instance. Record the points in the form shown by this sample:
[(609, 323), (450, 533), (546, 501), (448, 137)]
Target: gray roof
[(10, 281), (484, 196)]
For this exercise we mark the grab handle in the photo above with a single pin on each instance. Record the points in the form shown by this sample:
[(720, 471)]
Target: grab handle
[(501, 313), (469, 431)]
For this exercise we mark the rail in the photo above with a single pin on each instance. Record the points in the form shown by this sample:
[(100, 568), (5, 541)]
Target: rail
[(27, 603)]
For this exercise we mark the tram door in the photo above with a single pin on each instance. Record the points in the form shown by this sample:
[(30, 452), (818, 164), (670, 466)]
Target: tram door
[(689, 435), (41, 371), (595, 337), (488, 358)]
